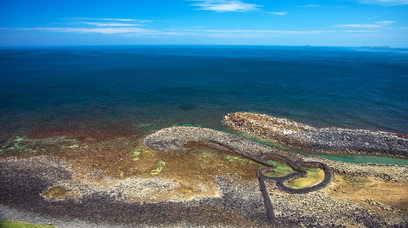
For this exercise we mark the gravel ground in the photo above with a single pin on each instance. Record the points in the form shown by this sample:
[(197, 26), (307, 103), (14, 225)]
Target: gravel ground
[(23, 180)]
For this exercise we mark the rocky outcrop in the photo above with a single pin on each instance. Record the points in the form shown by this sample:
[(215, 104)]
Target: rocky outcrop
[(322, 140)]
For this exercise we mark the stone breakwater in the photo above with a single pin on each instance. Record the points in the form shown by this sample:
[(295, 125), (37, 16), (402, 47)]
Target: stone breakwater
[(322, 140), (175, 138)]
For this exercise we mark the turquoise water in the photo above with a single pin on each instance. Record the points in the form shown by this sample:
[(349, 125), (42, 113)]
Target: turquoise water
[(159, 86), (337, 157), (365, 159)]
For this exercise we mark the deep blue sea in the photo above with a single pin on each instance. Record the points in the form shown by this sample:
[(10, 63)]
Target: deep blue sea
[(159, 86)]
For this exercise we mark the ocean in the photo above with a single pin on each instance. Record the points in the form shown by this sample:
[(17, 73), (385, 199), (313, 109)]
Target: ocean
[(152, 87)]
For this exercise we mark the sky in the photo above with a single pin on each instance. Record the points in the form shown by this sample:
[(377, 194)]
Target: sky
[(204, 22)]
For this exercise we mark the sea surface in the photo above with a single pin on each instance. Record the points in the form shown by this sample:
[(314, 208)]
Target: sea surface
[(152, 87)]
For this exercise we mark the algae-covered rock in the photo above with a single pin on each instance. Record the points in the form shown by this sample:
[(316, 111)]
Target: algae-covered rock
[(20, 224)]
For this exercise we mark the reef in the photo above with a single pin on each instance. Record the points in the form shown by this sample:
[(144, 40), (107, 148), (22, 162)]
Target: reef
[(320, 140)]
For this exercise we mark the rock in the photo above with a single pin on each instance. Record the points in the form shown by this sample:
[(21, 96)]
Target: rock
[(322, 140)]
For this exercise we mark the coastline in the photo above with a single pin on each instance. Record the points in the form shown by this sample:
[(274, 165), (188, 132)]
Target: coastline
[(107, 197)]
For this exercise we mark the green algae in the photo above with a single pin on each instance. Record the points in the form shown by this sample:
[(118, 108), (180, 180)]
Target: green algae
[(314, 176), (136, 154), (281, 169), (25, 145), (17, 143), (20, 224), (158, 169), (19, 138), (134, 157), (73, 146)]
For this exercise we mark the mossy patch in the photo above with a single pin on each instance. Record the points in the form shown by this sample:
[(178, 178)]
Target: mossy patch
[(20, 224), (138, 151), (25, 145), (158, 169), (314, 176), (281, 169)]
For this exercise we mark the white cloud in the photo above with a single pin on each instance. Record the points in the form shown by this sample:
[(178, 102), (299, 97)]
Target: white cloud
[(225, 5), (384, 23), (385, 2), (126, 20), (278, 13), (108, 19), (377, 24), (361, 31), (109, 24), (359, 26), (98, 25), (92, 30)]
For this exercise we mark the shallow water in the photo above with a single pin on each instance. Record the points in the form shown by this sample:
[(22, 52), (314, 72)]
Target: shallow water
[(151, 87), (337, 157), (365, 159)]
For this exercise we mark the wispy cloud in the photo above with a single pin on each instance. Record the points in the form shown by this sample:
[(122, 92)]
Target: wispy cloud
[(97, 25), (250, 31), (109, 24), (311, 6), (108, 19), (385, 2), (361, 31), (377, 24), (91, 30), (225, 5), (278, 13)]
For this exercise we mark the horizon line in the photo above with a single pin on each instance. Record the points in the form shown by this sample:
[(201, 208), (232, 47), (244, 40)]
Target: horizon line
[(271, 45)]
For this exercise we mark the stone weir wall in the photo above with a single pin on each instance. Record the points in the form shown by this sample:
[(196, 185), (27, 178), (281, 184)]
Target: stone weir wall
[(175, 138), (321, 140)]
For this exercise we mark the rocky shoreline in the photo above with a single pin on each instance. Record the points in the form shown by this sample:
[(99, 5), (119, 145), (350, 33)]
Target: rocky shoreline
[(116, 196), (320, 140)]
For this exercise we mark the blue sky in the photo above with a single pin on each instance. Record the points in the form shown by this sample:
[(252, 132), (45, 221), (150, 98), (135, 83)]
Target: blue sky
[(224, 22)]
